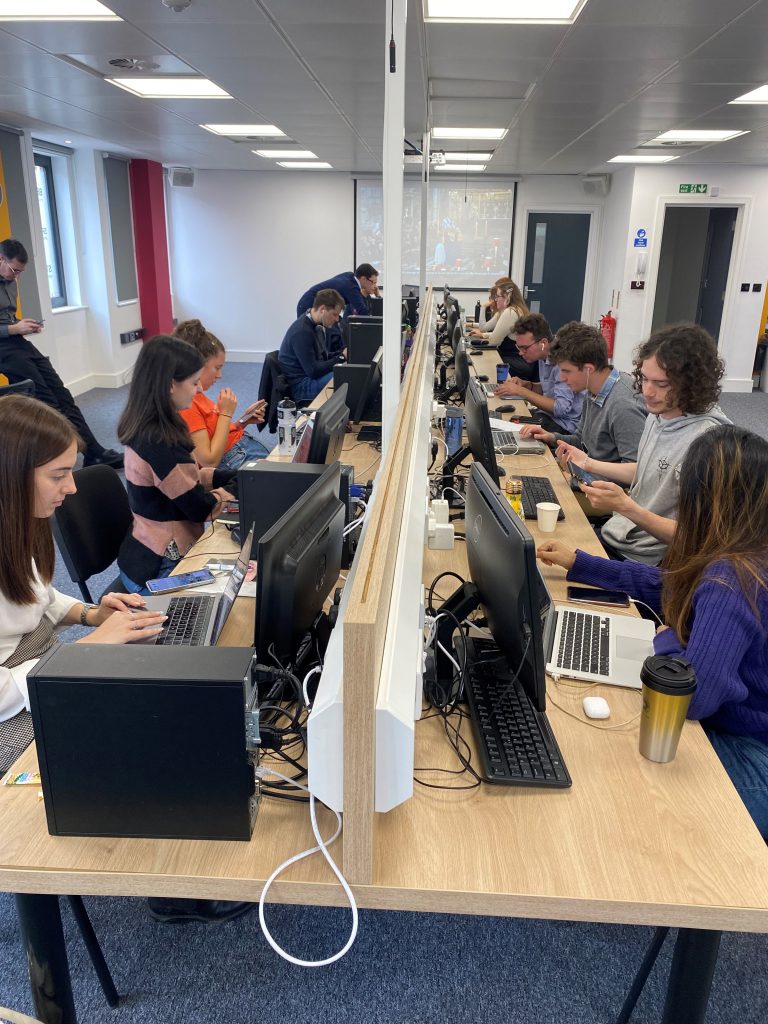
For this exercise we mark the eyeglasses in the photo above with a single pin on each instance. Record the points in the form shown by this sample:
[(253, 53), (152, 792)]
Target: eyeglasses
[(14, 270), (524, 348)]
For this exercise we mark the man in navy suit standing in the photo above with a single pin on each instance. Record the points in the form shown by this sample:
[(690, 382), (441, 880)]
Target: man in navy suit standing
[(354, 289)]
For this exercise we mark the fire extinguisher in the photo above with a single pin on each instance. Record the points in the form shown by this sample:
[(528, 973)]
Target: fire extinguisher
[(607, 327)]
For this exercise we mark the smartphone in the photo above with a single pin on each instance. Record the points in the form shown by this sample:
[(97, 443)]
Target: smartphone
[(588, 595), (581, 474), (197, 578), (230, 508)]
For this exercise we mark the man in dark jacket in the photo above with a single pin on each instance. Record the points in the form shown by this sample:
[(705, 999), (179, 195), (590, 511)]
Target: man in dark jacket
[(20, 359), (304, 358), (355, 289)]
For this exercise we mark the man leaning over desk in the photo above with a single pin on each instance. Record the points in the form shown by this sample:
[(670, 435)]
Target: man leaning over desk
[(355, 290)]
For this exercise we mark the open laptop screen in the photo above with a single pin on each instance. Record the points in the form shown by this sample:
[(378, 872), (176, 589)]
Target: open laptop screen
[(232, 589)]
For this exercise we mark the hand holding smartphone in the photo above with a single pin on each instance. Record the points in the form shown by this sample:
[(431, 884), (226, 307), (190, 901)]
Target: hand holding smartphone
[(184, 580), (580, 474)]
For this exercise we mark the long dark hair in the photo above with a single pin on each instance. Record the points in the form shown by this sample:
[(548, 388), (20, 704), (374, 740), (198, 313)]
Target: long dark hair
[(722, 514), (31, 435), (149, 412)]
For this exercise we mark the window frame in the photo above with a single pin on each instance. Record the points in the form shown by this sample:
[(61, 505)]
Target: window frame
[(45, 163)]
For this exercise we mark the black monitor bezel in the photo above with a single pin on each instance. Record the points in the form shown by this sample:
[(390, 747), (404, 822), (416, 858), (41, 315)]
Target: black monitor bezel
[(328, 429), (478, 426)]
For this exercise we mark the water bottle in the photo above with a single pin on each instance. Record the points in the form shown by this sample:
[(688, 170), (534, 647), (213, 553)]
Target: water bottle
[(286, 427), (477, 312)]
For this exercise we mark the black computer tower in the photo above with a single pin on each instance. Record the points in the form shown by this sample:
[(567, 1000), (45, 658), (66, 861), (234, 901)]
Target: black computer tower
[(145, 741)]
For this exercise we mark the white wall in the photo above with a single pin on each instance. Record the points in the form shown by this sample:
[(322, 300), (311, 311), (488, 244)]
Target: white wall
[(244, 246), (613, 243)]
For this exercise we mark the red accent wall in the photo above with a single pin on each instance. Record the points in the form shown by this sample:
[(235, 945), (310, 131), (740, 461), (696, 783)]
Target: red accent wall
[(148, 210)]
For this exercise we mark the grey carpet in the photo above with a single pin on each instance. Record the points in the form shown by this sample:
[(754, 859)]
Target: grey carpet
[(404, 968)]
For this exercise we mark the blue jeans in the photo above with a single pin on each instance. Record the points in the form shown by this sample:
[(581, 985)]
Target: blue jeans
[(166, 568), (746, 761), (244, 450), (309, 387)]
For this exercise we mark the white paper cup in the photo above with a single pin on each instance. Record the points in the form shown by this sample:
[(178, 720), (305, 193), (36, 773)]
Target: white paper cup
[(546, 516)]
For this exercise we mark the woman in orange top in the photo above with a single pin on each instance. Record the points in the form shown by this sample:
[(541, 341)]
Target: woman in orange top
[(219, 439)]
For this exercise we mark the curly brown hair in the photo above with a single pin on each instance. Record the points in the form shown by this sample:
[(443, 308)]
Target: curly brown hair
[(535, 324), (579, 343), (193, 332), (688, 355)]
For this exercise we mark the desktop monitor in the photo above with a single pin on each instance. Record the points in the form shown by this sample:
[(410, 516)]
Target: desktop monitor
[(283, 482), (376, 305), (364, 339), (323, 437), (363, 388), (461, 369), (478, 426), (457, 335), (502, 565), (299, 562), (411, 311)]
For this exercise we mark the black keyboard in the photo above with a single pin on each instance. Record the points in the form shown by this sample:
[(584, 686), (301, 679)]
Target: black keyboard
[(585, 642), (187, 620), (536, 489), (372, 435), (515, 742)]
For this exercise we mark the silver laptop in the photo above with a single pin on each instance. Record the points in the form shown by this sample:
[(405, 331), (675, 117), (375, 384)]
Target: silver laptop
[(598, 647), (196, 620), (509, 442)]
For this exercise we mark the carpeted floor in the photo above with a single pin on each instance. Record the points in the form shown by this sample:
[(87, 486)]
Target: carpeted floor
[(404, 968)]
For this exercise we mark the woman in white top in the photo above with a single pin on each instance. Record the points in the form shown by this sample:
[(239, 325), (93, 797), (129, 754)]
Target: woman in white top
[(38, 448), (510, 306)]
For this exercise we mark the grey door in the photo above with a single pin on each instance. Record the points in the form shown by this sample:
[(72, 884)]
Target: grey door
[(556, 264)]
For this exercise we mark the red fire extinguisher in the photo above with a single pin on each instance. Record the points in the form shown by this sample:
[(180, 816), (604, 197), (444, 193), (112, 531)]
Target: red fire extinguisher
[(607, 327)]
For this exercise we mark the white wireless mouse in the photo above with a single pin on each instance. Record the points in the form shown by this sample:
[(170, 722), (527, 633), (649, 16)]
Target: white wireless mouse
[(596, 707)]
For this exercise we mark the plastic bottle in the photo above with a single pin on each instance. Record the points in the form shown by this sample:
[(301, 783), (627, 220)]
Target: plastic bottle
[(286, 426)]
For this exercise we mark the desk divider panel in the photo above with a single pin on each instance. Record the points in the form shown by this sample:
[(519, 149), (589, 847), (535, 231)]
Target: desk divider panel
[(367, 616)]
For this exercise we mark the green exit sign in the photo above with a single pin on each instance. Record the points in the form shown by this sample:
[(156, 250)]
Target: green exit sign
[(700, 189)]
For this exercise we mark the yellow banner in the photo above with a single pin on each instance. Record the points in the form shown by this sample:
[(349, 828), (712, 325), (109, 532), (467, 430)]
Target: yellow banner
[(5, 222)]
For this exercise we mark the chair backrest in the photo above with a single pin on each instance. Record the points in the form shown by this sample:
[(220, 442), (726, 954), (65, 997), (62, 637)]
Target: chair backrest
[(21, 387), (272, 387), (91, 525)]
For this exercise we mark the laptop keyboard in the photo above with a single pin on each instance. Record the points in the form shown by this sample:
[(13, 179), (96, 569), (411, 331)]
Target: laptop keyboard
[(536, 489), (516, 746), (187, 620), (585, 642)]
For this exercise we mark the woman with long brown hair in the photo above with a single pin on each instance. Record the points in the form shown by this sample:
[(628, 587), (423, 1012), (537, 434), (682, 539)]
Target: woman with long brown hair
[(712, 590), (510, 306), (38, 448)]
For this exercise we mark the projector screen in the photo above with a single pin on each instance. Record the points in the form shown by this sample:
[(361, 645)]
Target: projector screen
[(469, 230)]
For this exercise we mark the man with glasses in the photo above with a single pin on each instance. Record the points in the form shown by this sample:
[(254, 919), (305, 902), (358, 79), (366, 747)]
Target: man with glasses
[(355, 289), (304, 358), (559, 407), (21, 360)]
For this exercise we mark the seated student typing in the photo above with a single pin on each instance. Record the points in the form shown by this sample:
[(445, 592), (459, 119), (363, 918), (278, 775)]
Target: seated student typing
[(712, 590), (498, 331), (219, 439), (303, 357), (38, 449), (170, 495)]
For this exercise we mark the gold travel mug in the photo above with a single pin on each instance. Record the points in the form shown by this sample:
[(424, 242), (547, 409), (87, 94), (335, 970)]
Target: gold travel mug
[(668, 683)]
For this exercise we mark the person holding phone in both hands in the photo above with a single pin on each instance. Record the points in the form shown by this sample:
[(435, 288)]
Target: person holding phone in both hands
[(712, 591)]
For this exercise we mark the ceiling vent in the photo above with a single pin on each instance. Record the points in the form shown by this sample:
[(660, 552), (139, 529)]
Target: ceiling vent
[(596, 184), (181, 177), (134, 64)]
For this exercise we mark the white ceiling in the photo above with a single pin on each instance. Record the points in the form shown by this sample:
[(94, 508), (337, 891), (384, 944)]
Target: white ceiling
[(626, 71)]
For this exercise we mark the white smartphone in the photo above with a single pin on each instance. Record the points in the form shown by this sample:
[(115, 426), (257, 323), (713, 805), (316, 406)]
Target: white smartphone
[(167, 584)]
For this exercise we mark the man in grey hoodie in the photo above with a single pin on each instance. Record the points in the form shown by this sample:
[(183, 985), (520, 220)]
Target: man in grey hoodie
[(679, 373)]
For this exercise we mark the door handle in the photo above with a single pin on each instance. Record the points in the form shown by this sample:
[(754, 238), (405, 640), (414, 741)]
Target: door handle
[(527, 291)]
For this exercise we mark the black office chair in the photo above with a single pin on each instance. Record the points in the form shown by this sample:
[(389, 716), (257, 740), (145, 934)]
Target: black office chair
[(273, 387), (21, 387), (91, 525)]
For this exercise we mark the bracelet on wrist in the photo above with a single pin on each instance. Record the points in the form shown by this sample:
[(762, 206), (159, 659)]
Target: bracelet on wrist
[(84, 613), (227, 415)]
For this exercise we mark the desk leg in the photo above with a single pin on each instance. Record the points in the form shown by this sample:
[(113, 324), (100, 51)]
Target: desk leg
[(43, 937), (690, 979)]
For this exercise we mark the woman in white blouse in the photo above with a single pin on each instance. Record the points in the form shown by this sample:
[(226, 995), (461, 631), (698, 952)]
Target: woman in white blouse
[(38, 448)]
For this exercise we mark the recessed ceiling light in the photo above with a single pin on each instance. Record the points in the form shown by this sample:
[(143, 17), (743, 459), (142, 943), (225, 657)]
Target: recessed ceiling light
[(469, 157), (256, 130), (67, 142), (172, 88), (558, 11), (459, 167), (694, 135), (307, 164), (756, 96), (276, 154), (468, 133), (55, 10), (659, 158)]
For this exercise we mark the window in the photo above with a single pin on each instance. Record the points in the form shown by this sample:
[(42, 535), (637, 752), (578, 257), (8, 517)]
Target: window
[(121, 228), (46, 197), (469, 230)]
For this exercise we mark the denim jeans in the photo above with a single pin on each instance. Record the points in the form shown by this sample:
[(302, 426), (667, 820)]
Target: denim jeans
[(308, 388), (746, 761), (244, 450), (166, 568)]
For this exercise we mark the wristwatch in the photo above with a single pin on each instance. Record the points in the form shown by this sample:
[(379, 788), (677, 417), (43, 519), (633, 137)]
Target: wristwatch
[(84, 613)]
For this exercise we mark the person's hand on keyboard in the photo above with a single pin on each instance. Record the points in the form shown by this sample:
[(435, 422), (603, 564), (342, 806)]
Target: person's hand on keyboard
[(511, 387), (538, 432), (125, 627), (552, 552)]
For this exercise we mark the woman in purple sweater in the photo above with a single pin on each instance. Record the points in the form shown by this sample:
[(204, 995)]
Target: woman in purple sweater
[(712, 591)]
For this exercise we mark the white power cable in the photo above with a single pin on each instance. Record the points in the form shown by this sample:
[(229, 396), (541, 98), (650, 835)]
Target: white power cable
[(307, 677), (322, 847)]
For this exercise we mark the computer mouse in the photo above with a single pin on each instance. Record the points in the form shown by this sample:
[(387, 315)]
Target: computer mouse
[(596, 707), (480, 342), (504, 408), (476, 352), (482, 377)]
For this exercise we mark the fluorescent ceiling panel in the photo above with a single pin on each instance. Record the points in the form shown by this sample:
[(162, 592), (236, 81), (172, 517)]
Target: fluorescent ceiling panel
[(286, 154), (175, 88), (257, 130), (756, 96), (459, 167), (696, 135), (478, 158), (469, 133), (510, 11), (661, 158), (305, 164), (55, 10)]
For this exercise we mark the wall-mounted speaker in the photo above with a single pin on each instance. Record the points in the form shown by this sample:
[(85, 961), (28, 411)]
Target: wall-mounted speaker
[(181, 177), (596, 184)]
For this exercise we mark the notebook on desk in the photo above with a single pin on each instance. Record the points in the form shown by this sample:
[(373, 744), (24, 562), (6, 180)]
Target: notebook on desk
[(196, 620), (597, 647)]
